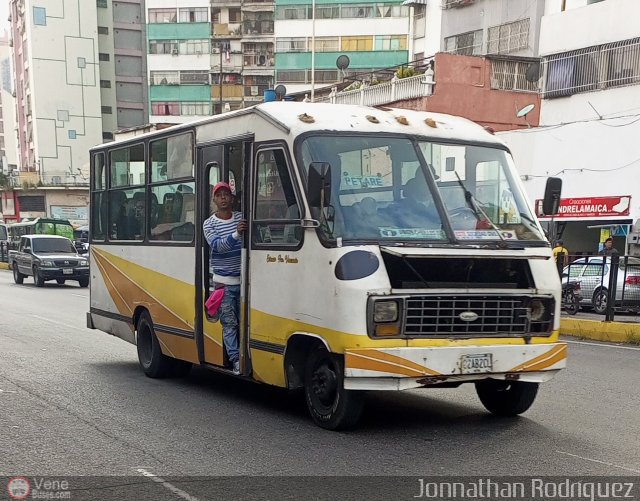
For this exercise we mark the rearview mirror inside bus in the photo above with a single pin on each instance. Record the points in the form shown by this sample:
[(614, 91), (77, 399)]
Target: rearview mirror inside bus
[(319, 187), (552, 192)]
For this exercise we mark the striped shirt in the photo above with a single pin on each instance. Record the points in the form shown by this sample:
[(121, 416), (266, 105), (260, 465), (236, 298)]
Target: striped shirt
[(226, 246)]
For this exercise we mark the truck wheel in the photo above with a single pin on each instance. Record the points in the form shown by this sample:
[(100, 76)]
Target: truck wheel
[(37, 278), (331, 406), (153, 362), (83, 282), (506, 398), (17, 276)]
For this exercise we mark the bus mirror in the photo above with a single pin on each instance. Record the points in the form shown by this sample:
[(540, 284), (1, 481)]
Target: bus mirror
[(552, 192), (319, 186)]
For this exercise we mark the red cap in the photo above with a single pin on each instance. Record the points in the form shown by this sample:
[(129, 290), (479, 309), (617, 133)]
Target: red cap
[(221, 184)]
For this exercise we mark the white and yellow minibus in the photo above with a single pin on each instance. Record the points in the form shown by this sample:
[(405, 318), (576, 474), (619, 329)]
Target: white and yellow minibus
[(387, 250)]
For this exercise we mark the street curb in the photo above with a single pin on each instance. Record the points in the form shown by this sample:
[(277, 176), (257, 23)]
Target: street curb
[(612, 332), (4, 266)]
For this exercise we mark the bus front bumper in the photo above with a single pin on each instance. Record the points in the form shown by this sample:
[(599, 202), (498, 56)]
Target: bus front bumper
[(406, 368)]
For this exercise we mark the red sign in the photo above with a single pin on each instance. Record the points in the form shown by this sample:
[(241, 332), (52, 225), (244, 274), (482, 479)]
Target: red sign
[(590, 207)]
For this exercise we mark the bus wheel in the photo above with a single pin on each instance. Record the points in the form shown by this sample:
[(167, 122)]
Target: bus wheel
[(153, 362), (331, 406), (506, 398), (17, 276)]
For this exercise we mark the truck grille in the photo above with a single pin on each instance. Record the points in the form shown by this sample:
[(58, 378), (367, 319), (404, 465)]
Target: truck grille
[(441, 315), (65, 262)]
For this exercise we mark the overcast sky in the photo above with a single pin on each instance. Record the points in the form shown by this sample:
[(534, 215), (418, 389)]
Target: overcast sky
[(4, 14)]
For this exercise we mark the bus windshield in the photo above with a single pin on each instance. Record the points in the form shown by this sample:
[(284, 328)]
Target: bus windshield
[(380, 190)]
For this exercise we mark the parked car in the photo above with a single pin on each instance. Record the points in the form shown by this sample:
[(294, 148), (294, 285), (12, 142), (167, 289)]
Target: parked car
[(593, 275), (48, 257)]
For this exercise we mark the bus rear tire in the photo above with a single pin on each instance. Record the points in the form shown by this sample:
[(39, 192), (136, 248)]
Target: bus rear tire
[(506, 398), (154, 364), (330, 405)]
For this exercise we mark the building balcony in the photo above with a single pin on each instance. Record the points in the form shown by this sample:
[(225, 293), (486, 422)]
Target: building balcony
[(231, 61), (229, 92), (33, 180), (226, 31), (257, 29), (259, 61)]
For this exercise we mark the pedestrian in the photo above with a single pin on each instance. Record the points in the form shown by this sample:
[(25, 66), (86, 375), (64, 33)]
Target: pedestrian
[(223, 232), (609, 249), (560, 249)]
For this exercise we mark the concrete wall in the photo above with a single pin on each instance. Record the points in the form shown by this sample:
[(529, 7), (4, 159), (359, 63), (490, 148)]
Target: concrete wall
[(463, 87)]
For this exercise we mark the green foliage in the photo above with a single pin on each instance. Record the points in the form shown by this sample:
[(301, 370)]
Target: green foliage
[(405, 72)]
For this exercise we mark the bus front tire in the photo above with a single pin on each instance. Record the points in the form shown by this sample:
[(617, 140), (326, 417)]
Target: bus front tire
[(331, 406), (18, 277), (506, 398), (154, 364)]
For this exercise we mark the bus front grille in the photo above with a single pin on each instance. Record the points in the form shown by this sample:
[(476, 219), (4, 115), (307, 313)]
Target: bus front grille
[(468, 315)]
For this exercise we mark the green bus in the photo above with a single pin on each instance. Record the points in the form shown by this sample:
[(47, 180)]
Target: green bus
[(39, 226)]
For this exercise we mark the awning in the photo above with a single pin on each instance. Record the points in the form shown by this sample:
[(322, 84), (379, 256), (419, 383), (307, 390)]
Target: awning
[(414, 2)]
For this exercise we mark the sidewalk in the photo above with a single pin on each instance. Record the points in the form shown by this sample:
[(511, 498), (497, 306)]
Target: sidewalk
[(625, 328), (4, 266)]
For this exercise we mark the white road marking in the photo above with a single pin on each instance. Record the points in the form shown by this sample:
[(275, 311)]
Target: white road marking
[(600, 462), (80, 295), (7, 391), (599, 345), (68, 326), (169, 486)]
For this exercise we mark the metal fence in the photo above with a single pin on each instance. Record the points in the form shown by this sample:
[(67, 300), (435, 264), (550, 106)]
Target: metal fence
[(606, 284)]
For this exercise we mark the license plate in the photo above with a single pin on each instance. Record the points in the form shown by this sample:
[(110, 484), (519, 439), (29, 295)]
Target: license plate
[(68, 271), (473, 364)]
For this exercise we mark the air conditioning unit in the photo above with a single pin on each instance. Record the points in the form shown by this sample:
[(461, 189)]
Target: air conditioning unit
[(174, 52)]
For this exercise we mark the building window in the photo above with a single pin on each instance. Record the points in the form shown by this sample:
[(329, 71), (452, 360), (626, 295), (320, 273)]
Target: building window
[(593, 68), (511, 75), (163, 47), (357, 43), (103, 30), (165, 78), (103, 56), (465, 44), (292, 76), (292, 12), (106, 110), (157, 16), (105, 84), (102, 4), (39, 16), (291, 44), (235, 15), (507, 38), (358, 11), (328, 12), (194, 77), (165, 109), (391, 42), (326, 44), (194, 47), (195, 108), (107, 136), (193, 15)]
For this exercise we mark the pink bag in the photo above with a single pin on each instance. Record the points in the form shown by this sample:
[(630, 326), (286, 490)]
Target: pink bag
[(213, 303)]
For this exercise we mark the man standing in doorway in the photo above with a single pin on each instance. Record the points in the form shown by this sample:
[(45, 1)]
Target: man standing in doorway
[(609, 249), (223, 231)]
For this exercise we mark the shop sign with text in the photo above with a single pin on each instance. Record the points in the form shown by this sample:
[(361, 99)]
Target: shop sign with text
[(590, 207)]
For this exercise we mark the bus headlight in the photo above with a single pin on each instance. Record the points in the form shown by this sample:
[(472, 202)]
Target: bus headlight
[(385, 311), (538, 310)]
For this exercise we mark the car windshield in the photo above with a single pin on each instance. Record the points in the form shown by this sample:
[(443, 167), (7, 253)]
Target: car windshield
[(53, 245), (380, 190)]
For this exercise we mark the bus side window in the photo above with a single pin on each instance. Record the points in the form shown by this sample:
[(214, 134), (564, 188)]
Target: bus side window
[(275, 199)]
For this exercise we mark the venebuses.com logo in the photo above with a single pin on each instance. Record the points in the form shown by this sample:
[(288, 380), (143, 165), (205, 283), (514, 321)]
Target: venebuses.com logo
[(18, 488)]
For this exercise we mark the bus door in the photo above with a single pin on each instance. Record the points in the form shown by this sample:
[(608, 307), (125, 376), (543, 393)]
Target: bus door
[(221, 162), (275, 267)]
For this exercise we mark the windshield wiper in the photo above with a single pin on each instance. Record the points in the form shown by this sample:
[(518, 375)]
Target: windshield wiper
[(474, 205)]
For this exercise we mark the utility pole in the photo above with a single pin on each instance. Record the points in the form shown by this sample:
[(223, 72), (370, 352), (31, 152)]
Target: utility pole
[(220, 77), (313, 49)]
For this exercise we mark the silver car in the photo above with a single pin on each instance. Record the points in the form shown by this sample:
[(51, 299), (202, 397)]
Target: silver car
[(593, 275)]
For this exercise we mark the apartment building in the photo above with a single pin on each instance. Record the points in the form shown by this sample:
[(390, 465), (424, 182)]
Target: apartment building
[(209, 56), (372, 34), (122, 60), (590, 118), (8, 147)]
